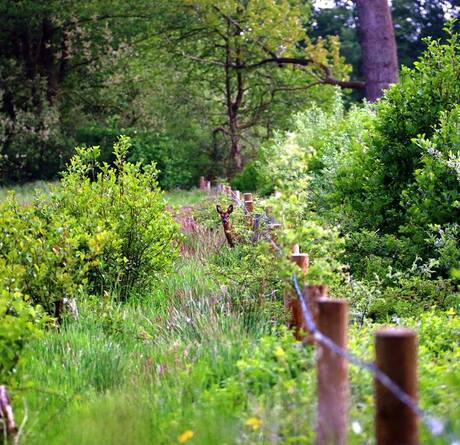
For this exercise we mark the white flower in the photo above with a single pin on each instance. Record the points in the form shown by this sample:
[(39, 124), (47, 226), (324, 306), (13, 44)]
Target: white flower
[(356, 427)]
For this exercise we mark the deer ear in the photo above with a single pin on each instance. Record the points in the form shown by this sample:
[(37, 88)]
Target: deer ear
[(218, 208), (230, 209)]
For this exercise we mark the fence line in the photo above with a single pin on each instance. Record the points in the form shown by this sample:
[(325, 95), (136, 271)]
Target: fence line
[(435, 426)]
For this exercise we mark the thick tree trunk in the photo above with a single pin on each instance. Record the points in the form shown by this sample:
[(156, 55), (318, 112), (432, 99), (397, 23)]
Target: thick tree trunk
[(380, 61)]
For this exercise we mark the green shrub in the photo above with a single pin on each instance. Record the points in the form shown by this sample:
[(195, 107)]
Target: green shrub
[(176, 166), (415, 106), (129, 236), (39, 252), (20, 322), (104, 229), (248, 180)]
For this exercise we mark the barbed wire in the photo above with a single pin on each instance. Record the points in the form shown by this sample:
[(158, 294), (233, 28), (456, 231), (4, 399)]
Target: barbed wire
[(435, 425)]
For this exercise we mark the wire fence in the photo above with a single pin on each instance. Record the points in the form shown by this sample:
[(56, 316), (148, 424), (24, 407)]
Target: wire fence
[(436, 426)]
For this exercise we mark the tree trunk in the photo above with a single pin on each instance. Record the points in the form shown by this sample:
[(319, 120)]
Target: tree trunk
[(380, 61)]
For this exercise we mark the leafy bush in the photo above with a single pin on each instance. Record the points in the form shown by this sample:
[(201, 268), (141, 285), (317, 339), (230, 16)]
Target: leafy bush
[(248, 179), (38, 255), (20, 322), (416, 106), (129, 235), (104, 229)]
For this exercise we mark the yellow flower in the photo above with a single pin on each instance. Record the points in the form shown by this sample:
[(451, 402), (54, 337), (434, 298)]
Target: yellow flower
[(254, 423), (185, 436), (279, 352), (451, 311)]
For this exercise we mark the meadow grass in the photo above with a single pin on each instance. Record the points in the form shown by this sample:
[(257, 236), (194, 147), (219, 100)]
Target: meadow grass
[(25, 193), (179, 198)]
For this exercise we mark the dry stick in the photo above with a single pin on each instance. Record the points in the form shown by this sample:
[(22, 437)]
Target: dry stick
[(396, 356), (332, 374), (6, 413)]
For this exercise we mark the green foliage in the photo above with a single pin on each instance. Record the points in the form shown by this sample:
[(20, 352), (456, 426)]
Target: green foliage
[(39, 253), (129, 236), (20, 323), (422, 101), (386, 179), (248, 179), (103, 229), (170, 156)]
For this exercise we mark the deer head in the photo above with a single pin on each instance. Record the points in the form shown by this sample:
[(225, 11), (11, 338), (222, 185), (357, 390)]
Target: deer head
[(225, 216)]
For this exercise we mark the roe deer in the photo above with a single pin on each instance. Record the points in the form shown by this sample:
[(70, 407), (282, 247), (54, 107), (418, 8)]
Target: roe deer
[(225, 218)]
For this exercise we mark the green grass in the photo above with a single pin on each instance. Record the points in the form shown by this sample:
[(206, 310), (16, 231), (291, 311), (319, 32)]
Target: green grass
[(26, 192), (180, 198)]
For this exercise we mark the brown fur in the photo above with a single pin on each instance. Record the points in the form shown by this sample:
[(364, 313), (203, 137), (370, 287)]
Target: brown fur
[(228, 229)]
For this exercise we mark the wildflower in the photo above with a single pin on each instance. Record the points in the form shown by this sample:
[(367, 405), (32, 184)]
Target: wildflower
[(254, 423), (451, 311), (356, 427), (185, 436), (279, 352)]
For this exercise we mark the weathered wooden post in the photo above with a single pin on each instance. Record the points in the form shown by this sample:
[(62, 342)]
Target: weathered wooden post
[(202, 183), (396, 356), (219, 188), (248, 202), (312, 293), (291, 302), (249, 206), (208, 186), (332, 374)]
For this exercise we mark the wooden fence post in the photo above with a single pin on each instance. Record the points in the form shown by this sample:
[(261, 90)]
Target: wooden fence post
[(396, 356), (249, 206), (208, 186), (248, 202), (312, 293), (291, 302), (332, 374), (202, 183)]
